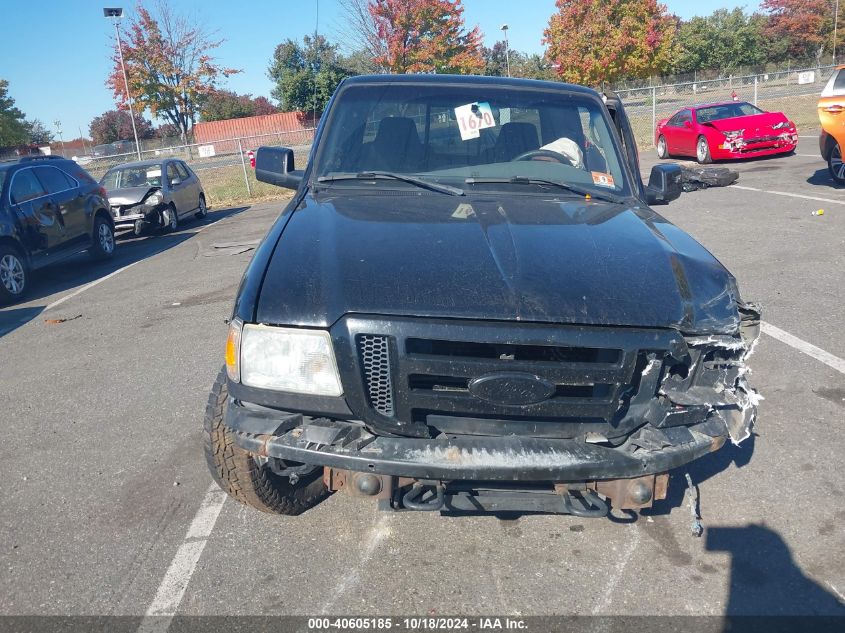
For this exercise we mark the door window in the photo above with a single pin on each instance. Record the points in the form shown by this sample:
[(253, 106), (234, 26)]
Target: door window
[(172, 174), (182, 171), (25, 186), (55, 180)]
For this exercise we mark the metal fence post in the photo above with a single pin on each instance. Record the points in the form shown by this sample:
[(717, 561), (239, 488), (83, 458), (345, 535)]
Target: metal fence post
[(243, 164), (755, 89), (653, 112)]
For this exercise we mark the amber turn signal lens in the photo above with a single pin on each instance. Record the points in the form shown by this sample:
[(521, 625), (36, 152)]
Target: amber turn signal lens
[(233, 350)]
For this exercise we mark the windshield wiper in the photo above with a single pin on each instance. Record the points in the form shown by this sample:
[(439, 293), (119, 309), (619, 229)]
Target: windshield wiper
[(419, 182), (522, 180)]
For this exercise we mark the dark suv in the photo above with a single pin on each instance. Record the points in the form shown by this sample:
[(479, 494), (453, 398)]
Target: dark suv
[(469, 305), (50, 208)]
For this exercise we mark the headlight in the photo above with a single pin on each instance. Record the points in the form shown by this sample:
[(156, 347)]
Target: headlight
[(154, 199), (285, 359), (733, 134)]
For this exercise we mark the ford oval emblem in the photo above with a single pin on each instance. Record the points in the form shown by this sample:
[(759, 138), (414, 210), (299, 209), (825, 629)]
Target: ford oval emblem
[(511, 388)]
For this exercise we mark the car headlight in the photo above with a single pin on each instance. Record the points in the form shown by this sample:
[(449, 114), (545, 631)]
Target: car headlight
[(154, 199), (282, 359)]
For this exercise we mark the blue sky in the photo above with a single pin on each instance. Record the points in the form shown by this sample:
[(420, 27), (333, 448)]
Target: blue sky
[(55, 53)]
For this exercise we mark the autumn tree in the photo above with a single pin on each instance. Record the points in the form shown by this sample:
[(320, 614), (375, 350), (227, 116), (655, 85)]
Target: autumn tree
[(169, 65), (12, 121), (420, 36), (224, 104), (115, 125), (600, 41), (799, 29), (304, 71)]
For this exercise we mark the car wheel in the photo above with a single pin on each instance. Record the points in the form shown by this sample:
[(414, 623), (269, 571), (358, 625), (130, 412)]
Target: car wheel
[(702, 151), (103, 239), (243, 478), (14, 277), (662, 150), (202, 209), (170, 218), (835, 164)]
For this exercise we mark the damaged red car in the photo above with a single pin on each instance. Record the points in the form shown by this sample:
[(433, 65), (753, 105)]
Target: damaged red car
[(722, 131)]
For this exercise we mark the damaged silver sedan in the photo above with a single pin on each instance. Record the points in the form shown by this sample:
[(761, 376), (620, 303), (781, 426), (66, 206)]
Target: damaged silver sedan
[(153, 194)]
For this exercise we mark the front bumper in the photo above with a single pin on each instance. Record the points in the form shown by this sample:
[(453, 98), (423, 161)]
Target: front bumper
[(129, 217), (348, 445), (725, 152)]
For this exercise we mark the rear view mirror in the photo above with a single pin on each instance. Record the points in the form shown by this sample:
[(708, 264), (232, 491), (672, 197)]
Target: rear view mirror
[(274, 165), (664, 184)]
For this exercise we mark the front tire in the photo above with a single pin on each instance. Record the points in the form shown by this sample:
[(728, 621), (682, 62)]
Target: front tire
[(702, 151), (245, 480), (835, 165), (662, 149), (102, 246), (170, 219), (202, 209), (14, 276)]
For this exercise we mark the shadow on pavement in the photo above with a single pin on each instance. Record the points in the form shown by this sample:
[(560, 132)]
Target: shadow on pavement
[(765, 580), (80, 269), (823, 178)]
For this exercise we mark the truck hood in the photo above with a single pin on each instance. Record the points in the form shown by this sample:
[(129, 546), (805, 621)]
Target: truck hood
[(754, 124), (529, 258), (129, 195)]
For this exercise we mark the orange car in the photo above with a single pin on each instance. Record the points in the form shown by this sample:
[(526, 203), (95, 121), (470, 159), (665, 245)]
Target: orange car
[(832, 117)]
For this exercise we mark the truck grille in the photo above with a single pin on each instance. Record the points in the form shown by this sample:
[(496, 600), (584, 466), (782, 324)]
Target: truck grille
[(375, 362), (419, 374)]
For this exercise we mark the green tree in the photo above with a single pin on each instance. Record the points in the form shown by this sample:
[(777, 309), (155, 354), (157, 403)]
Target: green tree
[(601, 41), (301, 70), (38, 133), (169, 65), (12, 121), (724, 39), (221, 105)]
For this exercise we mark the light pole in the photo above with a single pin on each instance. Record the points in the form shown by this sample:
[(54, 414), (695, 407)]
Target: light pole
[(114, 14), (504, 28), (58, 125)]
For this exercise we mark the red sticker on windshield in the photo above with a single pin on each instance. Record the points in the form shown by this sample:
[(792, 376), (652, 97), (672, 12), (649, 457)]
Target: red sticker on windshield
[(602, 179)]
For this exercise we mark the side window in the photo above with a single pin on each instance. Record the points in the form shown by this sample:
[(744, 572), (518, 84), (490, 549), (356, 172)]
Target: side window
[(182, 171), (839, 83), (675, 121), (172, 173), (25, 186), (686, 115), (54, 179)]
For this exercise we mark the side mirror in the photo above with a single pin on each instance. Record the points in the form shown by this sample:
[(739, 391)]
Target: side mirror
[(274, 165), (687, 124), (175, 181), (664, 184)]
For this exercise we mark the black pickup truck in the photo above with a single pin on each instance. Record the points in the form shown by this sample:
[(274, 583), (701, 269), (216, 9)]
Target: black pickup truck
[(468, 305)]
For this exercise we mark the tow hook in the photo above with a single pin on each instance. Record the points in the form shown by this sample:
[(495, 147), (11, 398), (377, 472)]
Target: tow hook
[(413, 498), (587, 504)]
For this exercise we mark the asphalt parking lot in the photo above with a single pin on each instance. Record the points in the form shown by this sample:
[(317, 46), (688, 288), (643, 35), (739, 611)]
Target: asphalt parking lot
[(108, 509)]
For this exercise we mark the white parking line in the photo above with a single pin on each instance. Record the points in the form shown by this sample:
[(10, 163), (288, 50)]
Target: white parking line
[(172, 588), (803, 346), (791, 195)]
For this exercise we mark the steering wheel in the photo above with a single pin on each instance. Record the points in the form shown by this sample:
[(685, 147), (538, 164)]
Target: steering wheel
[(544, 153)]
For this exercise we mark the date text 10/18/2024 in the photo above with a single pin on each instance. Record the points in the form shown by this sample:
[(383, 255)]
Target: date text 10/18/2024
[(417, 624)]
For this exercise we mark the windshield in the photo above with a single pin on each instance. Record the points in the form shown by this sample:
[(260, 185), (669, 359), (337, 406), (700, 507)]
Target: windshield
[(138, 176), (727, 111), (484, 136)]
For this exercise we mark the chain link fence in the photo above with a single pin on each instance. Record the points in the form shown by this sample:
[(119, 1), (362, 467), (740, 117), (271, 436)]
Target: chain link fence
[(795, 92), (223, 166)]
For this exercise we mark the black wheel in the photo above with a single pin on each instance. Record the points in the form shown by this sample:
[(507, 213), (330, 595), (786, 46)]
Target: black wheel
[(170, 219), (202, 209), (238, 473), (14, 276), (102, 241), (702, 151), (835, 165), (662, 150)]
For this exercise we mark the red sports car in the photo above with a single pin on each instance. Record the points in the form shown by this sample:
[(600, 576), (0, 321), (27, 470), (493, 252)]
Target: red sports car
[(718, 131)]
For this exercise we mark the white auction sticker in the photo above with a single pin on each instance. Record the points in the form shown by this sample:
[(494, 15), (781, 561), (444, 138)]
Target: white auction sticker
[(473, 117)]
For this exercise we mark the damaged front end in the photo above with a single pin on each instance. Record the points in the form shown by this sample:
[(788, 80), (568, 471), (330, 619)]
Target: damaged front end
[(681, 397), (137, 208)]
